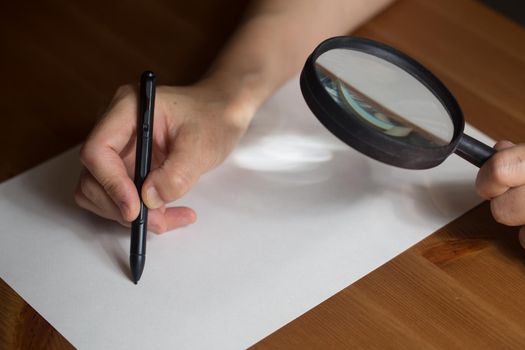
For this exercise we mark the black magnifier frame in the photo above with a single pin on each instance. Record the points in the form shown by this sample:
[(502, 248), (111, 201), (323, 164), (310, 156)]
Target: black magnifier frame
[(365, 138)]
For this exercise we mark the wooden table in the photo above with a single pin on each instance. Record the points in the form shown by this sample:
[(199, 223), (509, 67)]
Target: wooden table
[(463, 287)]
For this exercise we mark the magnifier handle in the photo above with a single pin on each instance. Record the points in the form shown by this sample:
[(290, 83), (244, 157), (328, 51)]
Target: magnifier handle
[(474, 151)]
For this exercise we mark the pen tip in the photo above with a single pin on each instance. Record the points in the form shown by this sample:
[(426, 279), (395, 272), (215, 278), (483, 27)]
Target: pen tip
[(137, 266)]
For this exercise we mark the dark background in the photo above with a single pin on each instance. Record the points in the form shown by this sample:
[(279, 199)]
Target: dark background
[(80, 51), (514, 9)]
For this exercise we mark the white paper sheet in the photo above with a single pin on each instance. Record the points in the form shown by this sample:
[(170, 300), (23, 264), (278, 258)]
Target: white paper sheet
[(291, 218)]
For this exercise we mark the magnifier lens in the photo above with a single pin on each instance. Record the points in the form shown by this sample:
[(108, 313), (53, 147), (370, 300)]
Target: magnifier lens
[(384, 97)]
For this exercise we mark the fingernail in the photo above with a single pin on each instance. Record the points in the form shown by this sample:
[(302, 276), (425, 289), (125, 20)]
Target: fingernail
[(153, 199)]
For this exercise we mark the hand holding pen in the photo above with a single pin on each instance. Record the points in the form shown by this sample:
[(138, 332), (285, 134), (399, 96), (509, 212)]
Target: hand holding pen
[(195, 129)]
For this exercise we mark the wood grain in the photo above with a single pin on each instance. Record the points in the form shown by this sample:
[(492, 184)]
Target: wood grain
[(61, 62), (463, 287)]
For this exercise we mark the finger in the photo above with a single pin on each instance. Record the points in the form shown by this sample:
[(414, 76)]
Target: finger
[(119, 123), (101, 154), (170, 219), (522, 236), (509, 208), (177, 174), (505, 169), (93, 191), (159, 220), (109, 171), (85, 203), (501, 145), (91, 196)]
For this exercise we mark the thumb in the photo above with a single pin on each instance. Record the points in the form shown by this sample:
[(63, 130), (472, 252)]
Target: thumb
[(176, 175), (501, 145)]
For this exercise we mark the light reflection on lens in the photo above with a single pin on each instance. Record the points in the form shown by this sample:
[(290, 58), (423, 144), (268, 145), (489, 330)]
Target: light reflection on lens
[(385, 97)]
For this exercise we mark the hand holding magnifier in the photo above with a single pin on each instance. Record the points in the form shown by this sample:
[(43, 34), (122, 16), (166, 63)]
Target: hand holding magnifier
[(386, 105)]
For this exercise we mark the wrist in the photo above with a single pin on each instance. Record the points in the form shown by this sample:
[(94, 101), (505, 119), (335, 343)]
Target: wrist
[(242, 92)]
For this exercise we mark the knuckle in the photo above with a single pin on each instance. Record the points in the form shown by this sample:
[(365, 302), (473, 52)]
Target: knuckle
[(123, 90), (160, 228), (179, 183), (87, 154)]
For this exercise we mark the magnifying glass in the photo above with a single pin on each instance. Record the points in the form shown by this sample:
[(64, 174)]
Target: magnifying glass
[(386, 105)]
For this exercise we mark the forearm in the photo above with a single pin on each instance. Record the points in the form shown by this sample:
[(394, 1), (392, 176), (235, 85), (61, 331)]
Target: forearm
[(274, 40)]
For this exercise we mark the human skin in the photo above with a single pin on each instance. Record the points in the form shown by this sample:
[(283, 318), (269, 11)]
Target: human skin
[(197, 126), (502, 180)]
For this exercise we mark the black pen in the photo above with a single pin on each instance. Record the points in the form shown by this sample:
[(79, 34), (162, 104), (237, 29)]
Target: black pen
[(139, 227)]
